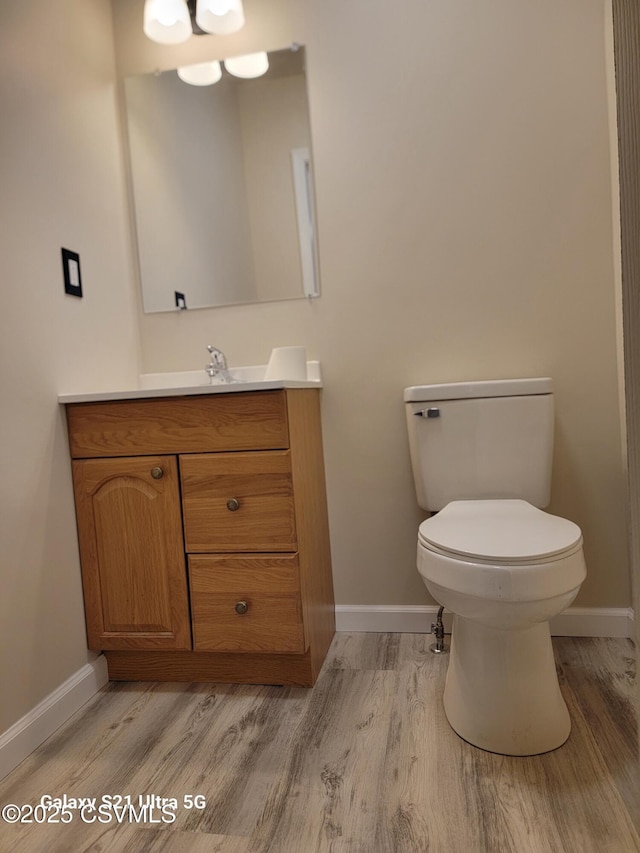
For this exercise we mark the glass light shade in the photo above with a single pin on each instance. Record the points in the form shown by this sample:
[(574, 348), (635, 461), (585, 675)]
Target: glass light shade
[(250, 65), (220, 16), (201, 74), (167, 21)]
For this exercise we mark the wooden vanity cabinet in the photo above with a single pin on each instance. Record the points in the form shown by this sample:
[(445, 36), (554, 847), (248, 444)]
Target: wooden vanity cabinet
[(203, 534)]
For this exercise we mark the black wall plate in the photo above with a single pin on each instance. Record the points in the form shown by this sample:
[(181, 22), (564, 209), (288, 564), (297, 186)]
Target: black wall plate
[(71, 269)]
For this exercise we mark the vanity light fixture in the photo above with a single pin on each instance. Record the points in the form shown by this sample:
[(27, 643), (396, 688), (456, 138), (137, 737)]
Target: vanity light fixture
[(173, 21), (201, 74), (249, 65)]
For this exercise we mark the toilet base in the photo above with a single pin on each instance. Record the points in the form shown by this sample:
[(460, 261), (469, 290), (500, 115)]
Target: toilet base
[(505, 697)]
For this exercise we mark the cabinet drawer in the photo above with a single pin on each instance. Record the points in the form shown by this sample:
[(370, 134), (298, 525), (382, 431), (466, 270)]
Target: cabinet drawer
[(216, 422), (238, 502), (246, 603)]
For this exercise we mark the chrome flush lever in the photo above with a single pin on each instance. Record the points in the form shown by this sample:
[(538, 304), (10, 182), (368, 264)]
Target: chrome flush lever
[(428, 413)]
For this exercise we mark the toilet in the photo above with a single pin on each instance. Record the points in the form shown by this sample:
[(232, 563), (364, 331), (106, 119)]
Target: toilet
[(481, 454)]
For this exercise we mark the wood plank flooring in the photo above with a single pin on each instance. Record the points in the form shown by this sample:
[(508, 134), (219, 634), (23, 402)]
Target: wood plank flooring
[(365, 762)]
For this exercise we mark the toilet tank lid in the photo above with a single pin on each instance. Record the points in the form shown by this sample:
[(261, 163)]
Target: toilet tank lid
[(484, 388)]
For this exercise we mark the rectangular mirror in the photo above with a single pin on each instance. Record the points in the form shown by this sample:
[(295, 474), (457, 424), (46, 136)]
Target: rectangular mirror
[(222, 187)]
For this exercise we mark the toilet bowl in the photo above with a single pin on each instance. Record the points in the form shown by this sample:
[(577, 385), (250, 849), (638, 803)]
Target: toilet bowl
[(503, 568)]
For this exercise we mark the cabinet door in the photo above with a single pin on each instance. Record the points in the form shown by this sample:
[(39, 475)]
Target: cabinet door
[(238, 502), (132, 553)]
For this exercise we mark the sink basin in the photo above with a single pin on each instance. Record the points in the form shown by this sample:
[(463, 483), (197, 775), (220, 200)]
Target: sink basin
[(196, 378), (179, 379)]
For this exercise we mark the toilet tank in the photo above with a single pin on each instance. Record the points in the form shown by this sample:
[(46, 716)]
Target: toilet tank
[(481, 440)]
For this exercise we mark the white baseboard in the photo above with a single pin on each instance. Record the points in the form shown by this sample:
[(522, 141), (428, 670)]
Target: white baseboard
[(574, 622), (594, 622), (38, 724)]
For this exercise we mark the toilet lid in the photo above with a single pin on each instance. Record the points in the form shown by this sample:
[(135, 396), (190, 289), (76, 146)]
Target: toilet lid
[(509, 531)]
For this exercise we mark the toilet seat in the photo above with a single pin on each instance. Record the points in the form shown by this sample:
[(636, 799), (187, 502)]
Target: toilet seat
[(499, 532), (505, 550)]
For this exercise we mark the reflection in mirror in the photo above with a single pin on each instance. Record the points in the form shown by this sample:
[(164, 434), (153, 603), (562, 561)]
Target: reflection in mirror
[(222, 187)]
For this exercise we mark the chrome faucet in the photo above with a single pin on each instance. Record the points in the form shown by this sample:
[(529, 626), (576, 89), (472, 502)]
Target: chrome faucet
[(217, 367)]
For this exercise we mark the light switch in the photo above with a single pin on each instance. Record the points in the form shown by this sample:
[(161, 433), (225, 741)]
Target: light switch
[(71, 270)]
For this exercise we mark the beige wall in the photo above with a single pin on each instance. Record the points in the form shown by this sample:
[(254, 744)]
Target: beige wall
[(462, 162), (62, 185)]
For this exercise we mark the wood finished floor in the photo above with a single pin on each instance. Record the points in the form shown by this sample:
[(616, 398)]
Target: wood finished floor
[(365, 762)]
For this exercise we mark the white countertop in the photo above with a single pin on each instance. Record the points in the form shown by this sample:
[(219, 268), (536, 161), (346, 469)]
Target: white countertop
[(190, 382)]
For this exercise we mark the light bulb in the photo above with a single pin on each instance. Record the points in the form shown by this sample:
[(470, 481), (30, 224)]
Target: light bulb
[(167, 21), (220, 16), (201, 74), (249, 65), (219, 7)]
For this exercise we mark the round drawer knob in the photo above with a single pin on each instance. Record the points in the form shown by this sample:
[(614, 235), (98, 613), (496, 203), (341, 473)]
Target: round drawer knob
[(233, 504), (241, 607), (157, 473)]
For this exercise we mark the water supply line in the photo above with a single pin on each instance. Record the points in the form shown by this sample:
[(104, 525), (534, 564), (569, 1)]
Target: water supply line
[(437, 628)]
